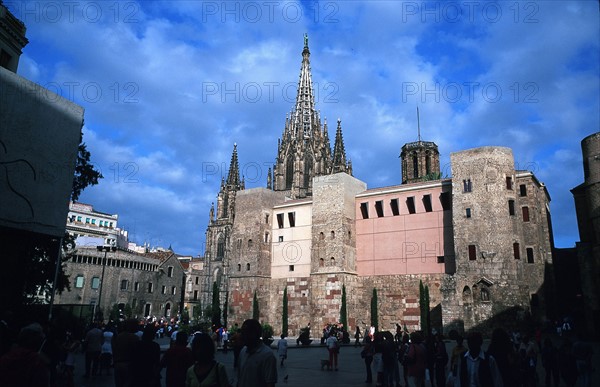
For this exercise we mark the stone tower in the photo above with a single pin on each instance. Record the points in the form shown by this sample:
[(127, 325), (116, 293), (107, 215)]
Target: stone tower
[(304, 150), (420, 160), (218, 233)]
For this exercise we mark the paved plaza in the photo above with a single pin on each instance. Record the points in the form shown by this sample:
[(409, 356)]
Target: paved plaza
[(302, 368)]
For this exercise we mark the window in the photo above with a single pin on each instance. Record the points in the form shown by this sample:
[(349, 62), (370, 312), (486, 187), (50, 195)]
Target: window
[(291, 267), (266, 237), (280, 220), (468, 212), (87, 220), (79, 218), (124, 284), (379, 208), (170, 271), (173, 289), (247, 267), (332, 261), (364, 209), (195, 295), (394, 207), (410, 204), (467, 297), (163, 290), (332, 234), (516, 251), (93, 221), (511, 207), (467, 186), (267, 219), (529, 255), (472, 253), (221, 247), (415, 161), (509, 183), (101, 223), (150, 287), (427, 203), (445, 201), (525, 214), (95, 282), (250, 243), (485, 294), (523, 190), (239, 267), (136, 286), (292, 219), (321, 235), (441, 259), (281, 238), (321, 262), (79, 281)]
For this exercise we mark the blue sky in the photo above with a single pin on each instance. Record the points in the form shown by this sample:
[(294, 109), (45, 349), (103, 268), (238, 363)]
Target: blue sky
[(169, 87)]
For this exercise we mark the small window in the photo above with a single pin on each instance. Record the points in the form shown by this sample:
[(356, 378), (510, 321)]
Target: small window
[(441, 259), (467, 186), (239, 267), (511, 207), (394, 207), (197, 279), (525, 214), (267, 219), (124, 284), (195, 295), (509, 183), (485, 295), (445, 201), (173, 289), (332, 234), (280, 220), (321, 235), (79, 281), (266, 237), (93, 221), (292, 219), (170, 271), (163, 290), (523, 190), (87, 220), (136, 286), (410, 204), (281, 238), (379, 208), (95, 282), (291, 267), (250, 243), (79, 218), (468, 212), (516, 251), (150, 287), (427, 203), (321, 262), (332, 261), (247, 267), (364, 209), (472, 253), (529, 255)]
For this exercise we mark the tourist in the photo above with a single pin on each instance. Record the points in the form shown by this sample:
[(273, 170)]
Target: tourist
[(416, 360), (206, 371), (476, 367), (145, 364), (257, 363), (357, 337), (441, 359), (123, 344), (92, 346), (367, 354), (177, 359), (333, 347), (282, 347), (402, 351), (503, 351)]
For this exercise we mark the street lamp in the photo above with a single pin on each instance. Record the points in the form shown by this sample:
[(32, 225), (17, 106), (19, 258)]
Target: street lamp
[(106, 249)]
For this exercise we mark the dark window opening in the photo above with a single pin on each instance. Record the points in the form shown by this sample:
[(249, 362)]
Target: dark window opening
[(516, 250), (394, 206), (525, 214), (247, 267), (468, 212), (472, 253), (441, 259), (509, 183), (427, 165), (281, 238), (292, 219), (445, 201), (467, 186), (379, 208), (427, 203), (280, 220), (529, 255), (410, 204), (364, 209), (485, 294), (291, 267), (511, 207), (415, 161), (523, 190), (239, 267)]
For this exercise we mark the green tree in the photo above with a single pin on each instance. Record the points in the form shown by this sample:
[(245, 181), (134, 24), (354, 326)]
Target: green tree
[(197, 312), (225, 307), (255, 310), (216, 306), (343, 312), (284, 314), (374, 315)]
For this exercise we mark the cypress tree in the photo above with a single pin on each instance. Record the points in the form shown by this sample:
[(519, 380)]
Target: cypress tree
[(225, 306), (216, 307), (255, 311), (343, 312), (374, 316), (284, 314)]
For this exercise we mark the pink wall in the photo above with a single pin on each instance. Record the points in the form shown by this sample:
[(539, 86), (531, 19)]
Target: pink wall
[(405, 243)]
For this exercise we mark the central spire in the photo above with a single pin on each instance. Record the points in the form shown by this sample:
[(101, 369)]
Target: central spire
[(303, 116)]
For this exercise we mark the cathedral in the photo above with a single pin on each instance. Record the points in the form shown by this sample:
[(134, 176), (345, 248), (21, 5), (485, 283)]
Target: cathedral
[(481, 240)]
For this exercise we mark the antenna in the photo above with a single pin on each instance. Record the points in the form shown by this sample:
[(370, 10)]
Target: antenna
[(418, 124)]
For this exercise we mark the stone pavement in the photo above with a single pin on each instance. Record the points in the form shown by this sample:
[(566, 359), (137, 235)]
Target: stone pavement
[(302, 367)]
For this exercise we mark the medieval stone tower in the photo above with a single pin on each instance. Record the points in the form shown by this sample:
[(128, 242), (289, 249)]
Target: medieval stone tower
[(420, 160), (304, 151)]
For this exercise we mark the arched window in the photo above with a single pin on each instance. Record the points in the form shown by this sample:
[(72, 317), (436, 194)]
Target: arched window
[(308, 167), (289, 172), (239, 267), (221, 247), (332, 234), (247, 267), (415, 161), (427, 163), (321, 236), (332, 261), (485, 294), (250, 243), (266, 237), (467, 296), (321, 262)]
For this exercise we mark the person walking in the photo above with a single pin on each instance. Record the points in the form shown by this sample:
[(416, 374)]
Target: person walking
[(177, 360), (367, 354), (416, 360), (93, 348), (282, 347), (333, 346), (357, 337), (441, 359), (145, 365), (257, 362), (206, 371)]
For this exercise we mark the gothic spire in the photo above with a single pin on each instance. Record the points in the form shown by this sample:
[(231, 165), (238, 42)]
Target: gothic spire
[(233, 179), (304, 115), (339, 152)]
